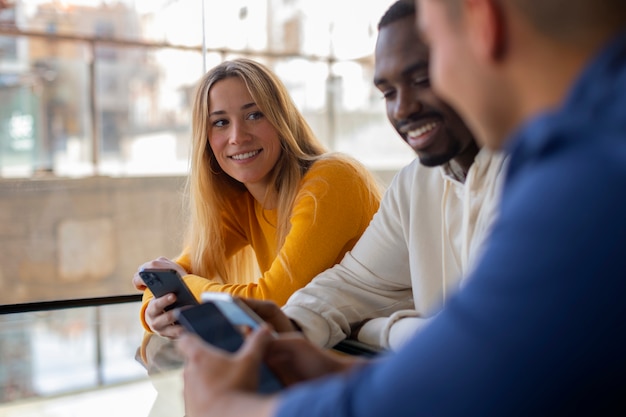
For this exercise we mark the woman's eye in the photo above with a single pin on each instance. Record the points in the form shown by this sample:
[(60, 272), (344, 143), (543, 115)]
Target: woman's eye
[(220, 123), (255, 115)]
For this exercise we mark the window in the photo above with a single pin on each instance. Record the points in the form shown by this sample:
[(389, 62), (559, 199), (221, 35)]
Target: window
[(95, 138)]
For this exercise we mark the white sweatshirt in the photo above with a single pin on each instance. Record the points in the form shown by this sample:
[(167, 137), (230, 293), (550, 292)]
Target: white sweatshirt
[(424, 238)]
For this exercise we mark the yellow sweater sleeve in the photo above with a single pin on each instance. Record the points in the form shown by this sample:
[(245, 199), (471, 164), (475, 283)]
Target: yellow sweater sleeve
[(332, 210)]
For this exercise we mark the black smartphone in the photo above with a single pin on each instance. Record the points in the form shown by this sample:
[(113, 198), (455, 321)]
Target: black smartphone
[(165, 281), (208, 322)]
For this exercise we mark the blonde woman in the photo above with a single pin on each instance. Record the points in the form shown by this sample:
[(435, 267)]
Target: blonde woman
[(262, 188)]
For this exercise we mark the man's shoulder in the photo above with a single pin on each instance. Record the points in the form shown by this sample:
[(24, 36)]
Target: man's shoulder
[(415, 173), (414, 186)]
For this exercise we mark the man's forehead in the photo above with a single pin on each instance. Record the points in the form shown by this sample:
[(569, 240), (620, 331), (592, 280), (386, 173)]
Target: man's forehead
[(387, 70), (400, 34)]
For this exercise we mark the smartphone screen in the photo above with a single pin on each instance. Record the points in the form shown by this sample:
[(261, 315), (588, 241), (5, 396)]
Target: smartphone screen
[(165, 281), (208, 322), (235, 310)]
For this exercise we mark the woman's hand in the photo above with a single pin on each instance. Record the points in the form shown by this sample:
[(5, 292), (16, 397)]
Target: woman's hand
[(158, 263), (160, 321)]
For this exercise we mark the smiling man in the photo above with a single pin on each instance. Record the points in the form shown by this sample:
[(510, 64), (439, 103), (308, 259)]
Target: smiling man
[(431, 223), (538, 329)]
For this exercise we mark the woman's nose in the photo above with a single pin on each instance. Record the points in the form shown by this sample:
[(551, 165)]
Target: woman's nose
[(239, 134)]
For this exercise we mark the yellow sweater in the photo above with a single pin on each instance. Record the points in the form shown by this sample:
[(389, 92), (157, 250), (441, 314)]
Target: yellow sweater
[(323, 229)]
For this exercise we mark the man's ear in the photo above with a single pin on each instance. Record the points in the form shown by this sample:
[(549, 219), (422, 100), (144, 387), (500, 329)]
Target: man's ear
[(486, 28)]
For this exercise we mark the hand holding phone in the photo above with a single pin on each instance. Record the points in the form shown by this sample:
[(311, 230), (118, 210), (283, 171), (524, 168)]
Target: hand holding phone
[(165, 281), (208, 322)]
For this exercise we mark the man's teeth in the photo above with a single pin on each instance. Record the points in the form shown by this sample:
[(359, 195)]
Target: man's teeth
[(246, 155), (422, 130)]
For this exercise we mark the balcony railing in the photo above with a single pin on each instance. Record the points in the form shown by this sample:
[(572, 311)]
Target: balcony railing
[(62, 349)]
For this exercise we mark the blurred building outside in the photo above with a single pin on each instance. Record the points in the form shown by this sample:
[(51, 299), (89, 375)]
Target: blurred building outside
[(104, 89), (94, 143)]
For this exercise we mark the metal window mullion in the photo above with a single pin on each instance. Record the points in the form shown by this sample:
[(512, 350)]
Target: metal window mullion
[(94, 108)]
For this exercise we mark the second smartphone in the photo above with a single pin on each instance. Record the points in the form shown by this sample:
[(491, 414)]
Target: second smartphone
[(208, 322)]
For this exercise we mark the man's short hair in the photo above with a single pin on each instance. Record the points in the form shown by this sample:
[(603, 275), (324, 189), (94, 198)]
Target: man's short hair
[(569, 21), (399, 10), (573, 20)]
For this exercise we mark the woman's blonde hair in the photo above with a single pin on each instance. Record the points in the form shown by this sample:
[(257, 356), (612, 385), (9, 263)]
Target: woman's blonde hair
[(209, 188)]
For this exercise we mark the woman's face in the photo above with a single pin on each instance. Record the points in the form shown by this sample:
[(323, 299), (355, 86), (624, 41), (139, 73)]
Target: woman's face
[(244, 142)]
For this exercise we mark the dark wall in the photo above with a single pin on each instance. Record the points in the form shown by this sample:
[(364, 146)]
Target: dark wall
[(74, 238)]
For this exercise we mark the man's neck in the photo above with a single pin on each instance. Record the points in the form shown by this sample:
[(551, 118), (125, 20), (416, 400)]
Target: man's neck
[(545, 72), (550, 86), (454, 170), (459, 166)]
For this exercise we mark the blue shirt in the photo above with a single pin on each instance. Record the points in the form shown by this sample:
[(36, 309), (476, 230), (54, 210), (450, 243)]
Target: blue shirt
[(540, 327)]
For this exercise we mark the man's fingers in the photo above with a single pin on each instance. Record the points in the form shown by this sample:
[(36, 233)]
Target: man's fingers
[(265, 309), (271, 313), (256, 344)]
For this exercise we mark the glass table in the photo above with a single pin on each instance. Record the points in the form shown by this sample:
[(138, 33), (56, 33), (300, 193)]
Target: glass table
[(92, 357), (86, 359)]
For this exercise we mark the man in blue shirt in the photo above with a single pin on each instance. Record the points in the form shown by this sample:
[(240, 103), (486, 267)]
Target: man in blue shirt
[(539, 329)]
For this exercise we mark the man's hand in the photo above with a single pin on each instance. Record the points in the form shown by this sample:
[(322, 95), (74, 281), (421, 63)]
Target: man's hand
[(291, 356), (217, 383), (295, 359), (272, 314)]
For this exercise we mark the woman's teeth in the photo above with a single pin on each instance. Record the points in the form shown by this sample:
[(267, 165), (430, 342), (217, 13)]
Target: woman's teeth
[(246, 155)]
